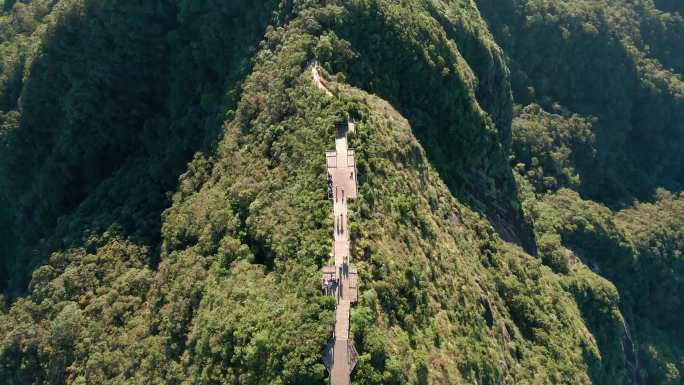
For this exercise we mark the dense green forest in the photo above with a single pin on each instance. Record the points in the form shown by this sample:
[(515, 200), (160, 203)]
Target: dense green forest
[(617, 63), (163, 215)]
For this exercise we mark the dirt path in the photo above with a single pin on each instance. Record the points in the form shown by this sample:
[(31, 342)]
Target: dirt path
[(318, 79)]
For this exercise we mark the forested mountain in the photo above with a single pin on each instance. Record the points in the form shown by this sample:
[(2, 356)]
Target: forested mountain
[(163, 208), (617, 62)]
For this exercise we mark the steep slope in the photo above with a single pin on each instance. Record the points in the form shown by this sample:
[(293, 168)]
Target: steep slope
[(639, 250), (601, 93), (235, 296), (604, 59), (443, 76), (444, 300), (103, 106)]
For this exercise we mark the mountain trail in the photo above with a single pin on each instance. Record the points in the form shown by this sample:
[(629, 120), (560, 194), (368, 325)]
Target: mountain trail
[(318, 79), (341, 279)]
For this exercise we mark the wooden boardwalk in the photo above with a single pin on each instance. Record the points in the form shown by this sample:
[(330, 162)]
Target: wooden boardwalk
[(340, 356), (342, 175)]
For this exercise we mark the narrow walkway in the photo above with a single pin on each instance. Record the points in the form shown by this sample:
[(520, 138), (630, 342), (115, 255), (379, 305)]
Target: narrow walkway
[(342, 181), (341, 279)]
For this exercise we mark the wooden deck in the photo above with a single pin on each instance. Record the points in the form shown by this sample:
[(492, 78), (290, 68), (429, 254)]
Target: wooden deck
[(340, 356)]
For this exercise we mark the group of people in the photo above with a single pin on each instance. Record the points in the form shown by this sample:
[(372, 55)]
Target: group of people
[(330, 283), (330, 188)]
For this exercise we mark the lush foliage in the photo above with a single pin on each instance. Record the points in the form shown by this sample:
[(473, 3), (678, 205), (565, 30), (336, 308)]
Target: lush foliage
[(604, 119), (102, 106), (442, 76), (162, 172), (606, 59), (551, 148), (640, 250)]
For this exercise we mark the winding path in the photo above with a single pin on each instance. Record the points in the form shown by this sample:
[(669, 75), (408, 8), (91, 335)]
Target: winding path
[(318, 79)]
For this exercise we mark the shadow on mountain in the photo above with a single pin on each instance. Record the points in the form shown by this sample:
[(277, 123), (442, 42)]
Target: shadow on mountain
[(118, 99), (428, 87), (571, 56), (670, 6)]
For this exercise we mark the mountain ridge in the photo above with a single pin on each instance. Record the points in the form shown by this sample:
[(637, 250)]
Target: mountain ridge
[(218, 280)]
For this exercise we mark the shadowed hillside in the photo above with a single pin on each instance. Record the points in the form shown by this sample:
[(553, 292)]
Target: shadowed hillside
[(109, 104), (610, 61), (164, 174), (599, 85)]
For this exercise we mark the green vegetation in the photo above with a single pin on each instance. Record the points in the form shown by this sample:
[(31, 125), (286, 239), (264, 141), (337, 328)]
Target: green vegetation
[(603, 117), (638, 249), (163, 213), (551, 148), (471, 307), (100, 111), (609, 60), (435, 82)]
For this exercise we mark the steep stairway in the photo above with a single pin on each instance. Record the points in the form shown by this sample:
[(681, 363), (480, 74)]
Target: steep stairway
[(340, 280)]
